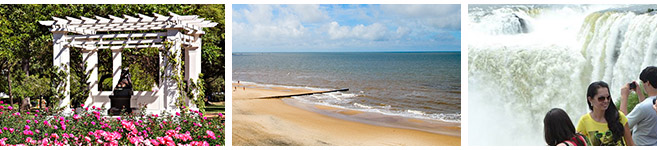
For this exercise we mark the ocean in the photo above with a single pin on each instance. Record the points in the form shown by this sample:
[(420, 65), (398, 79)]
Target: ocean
[(422, 85), (524, 60)]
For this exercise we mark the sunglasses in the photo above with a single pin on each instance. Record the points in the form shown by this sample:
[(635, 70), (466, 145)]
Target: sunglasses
[(599, 135), (602, 98)]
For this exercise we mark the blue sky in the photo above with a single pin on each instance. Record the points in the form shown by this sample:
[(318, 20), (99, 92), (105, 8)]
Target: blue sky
[(346, 28)]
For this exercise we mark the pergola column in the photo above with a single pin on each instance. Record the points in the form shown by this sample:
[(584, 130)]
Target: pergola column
[(90, 56), (193, 63), (116, 67), (169, 86), (62, 59)]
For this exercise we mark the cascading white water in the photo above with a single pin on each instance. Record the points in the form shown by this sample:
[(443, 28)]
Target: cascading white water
[(516, 77)]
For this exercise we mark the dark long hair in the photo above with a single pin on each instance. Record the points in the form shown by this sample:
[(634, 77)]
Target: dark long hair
[(558, 128), (611, 114)]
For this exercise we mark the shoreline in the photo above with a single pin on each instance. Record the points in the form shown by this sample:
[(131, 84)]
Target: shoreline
[(274, 122)]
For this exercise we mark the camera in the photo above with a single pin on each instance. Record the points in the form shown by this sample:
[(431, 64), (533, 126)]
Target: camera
[(632, 85)]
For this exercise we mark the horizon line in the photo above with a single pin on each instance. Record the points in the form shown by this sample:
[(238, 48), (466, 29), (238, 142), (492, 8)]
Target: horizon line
[(347, 51)]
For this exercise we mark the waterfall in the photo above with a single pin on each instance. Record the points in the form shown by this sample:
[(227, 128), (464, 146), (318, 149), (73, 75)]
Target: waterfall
[(516, 77)]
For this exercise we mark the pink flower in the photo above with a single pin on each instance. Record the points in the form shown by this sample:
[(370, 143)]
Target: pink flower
[(28, 132), (211, 134), (171, 132), (114, 143), (76, 117), (86, 138), (136, 140), (37, 111), (93, 107), (28, 121), (81, 105), (2, 107), (93, 123), (154, 142), (10, 108), (55, 136), (5, 128), (199, 143), (161, 140), (177, 113), (44, 142), (2, 142), (169, 141), (30, 140), (27, 127)]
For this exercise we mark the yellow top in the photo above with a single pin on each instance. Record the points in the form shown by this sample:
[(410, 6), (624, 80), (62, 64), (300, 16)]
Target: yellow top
[(598, 133)]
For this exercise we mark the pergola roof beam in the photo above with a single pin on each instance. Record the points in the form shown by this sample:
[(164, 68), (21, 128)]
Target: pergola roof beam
[(118, 42), (125, 35), (144, 17), (102, 19), (119, 47), (73, 20), (88, 20), (47, 23), (98, 26), (131, 19), (60, 20)]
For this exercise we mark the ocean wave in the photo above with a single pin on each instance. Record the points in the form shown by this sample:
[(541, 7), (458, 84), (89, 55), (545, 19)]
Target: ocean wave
[(325, 100), (345, 100)]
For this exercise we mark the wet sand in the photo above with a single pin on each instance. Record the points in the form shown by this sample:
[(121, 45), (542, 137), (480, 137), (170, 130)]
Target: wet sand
[(273, 122)]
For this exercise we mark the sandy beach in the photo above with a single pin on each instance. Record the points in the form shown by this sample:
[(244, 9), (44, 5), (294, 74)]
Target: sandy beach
[(273, 122)]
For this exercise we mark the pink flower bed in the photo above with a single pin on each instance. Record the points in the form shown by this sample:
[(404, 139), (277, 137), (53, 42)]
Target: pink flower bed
[(91, 128)]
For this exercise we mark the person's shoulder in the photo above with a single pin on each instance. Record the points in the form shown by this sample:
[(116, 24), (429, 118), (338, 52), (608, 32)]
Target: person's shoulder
[(585, 117), (644, 106)]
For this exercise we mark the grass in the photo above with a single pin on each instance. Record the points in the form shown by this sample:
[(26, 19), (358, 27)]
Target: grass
[(213, 107)]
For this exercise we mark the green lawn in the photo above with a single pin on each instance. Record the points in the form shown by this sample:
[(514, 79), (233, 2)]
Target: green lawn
[(215, 108)]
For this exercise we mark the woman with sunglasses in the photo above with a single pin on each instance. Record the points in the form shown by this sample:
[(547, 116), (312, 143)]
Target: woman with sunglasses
[(604, 125), (559, 130)]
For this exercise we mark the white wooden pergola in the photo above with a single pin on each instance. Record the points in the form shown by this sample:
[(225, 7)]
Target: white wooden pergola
[(183, 31)]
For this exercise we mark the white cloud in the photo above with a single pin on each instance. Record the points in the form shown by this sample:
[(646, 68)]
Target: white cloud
[(441, 16), (308, 27), (258, 14), (371, 32), (308, 13)]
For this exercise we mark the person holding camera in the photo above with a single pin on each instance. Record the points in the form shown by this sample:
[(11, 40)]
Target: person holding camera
[(643, 118)]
